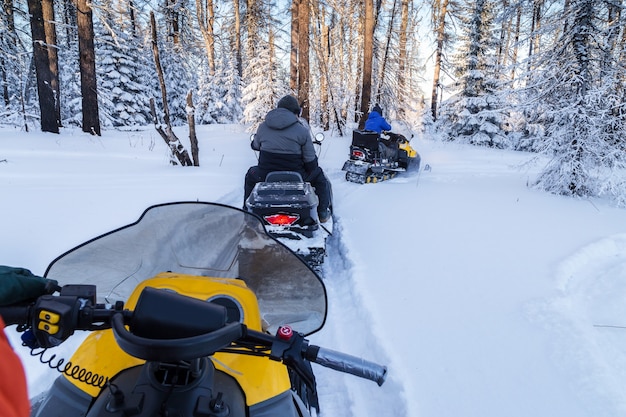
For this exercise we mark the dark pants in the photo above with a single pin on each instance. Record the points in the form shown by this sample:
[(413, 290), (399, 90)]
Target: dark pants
[(317, 178)]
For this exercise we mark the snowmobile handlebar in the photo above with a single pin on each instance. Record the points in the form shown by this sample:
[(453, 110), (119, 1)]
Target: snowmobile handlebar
[(168, 334), (15, 314), (345, 363), (292, 349)]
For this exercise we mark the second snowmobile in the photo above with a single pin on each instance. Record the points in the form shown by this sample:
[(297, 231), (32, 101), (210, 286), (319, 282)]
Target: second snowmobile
[(287, 204), (374, 158)]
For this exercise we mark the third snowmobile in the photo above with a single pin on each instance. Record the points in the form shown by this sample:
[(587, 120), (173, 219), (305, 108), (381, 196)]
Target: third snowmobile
[(375, 158)]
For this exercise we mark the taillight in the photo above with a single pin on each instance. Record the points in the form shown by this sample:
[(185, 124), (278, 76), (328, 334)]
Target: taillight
[(358, 154), (281, 219)]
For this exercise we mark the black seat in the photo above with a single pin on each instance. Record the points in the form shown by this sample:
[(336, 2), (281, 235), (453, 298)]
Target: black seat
[(284, 176), (365, 139)]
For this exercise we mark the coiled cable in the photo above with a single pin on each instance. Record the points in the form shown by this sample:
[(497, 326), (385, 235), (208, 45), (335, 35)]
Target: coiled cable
[(69, 369)]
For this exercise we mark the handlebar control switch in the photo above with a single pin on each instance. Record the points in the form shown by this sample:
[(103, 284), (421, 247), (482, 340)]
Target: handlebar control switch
[(55, 319)]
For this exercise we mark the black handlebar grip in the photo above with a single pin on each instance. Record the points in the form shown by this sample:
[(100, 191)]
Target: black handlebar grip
[(15, 314), (343, 362)]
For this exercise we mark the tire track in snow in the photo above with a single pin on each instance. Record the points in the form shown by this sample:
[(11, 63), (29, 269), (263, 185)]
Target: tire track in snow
[(347, 330)]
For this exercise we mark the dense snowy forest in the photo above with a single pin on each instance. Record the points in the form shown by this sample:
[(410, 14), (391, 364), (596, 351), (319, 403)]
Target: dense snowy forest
[(546, 76)]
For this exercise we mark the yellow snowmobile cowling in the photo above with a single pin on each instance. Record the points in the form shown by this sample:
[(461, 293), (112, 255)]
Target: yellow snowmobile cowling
[(260, 378), (406, 146)]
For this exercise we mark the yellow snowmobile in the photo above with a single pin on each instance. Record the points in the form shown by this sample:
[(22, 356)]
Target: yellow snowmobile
[(374, 158), (202, 314)]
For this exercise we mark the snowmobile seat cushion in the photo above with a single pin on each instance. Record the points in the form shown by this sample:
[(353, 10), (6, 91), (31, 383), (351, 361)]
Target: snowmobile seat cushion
[(365, 139), (284, 176)]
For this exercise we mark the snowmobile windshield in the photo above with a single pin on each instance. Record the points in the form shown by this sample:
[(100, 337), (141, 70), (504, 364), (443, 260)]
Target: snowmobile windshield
[(202, 239)]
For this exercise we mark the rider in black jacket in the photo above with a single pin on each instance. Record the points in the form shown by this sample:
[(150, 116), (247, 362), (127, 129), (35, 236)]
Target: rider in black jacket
[(284, 144)]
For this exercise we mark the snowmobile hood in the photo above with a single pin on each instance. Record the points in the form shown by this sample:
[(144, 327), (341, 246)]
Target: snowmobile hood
[(280, 119)]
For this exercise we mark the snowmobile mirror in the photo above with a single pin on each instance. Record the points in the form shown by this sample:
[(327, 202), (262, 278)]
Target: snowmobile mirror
[(319, 137)]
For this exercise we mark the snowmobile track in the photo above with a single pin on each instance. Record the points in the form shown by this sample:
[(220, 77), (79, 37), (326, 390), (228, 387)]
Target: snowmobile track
[(348, 329)]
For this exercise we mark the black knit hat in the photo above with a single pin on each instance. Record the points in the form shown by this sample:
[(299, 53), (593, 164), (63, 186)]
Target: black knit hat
[(290, 103), (378, 109)]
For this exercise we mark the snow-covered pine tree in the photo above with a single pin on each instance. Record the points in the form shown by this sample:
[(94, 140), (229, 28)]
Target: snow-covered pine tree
[(261, 91), (122, 70), (14, 73), (583, 108), (69, 73), (219, 95), (474, 114), (264, 82), (232, 95)]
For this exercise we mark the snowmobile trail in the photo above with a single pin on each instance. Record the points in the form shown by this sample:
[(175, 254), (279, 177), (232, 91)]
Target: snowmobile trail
[(344, 394)]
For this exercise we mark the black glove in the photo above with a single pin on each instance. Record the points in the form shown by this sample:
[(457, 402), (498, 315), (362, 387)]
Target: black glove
[(18, 285)]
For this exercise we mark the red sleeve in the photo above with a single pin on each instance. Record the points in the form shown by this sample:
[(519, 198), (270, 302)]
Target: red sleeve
[(13, 390)]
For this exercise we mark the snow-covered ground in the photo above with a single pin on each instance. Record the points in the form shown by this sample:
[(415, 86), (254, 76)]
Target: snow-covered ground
[(483, 297)]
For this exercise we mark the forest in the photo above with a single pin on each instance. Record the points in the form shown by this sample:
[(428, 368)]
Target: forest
[(541, 76)]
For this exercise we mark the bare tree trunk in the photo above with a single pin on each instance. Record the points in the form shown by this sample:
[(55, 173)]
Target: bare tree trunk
[(441, 27), (193, 138), (535, 25), (383, 65), (403, 57), (133, 19), (293, 55), (502, 49), (515, 52), (368, 52), (53, 56), (238, 38), (177, 149), (87, 58), (173, 24), (42, 68), (251, 26), (211, 35), (5, 87), (613, 20), (304, 16), (323, 52), (69, 19), (10, 32), (8, 7), (206, 18)]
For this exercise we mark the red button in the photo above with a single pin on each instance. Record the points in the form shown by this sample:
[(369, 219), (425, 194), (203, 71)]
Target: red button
[(284, 332)]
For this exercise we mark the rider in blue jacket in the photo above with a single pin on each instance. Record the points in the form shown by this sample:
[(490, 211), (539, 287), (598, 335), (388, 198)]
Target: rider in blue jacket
[(375, 121)]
